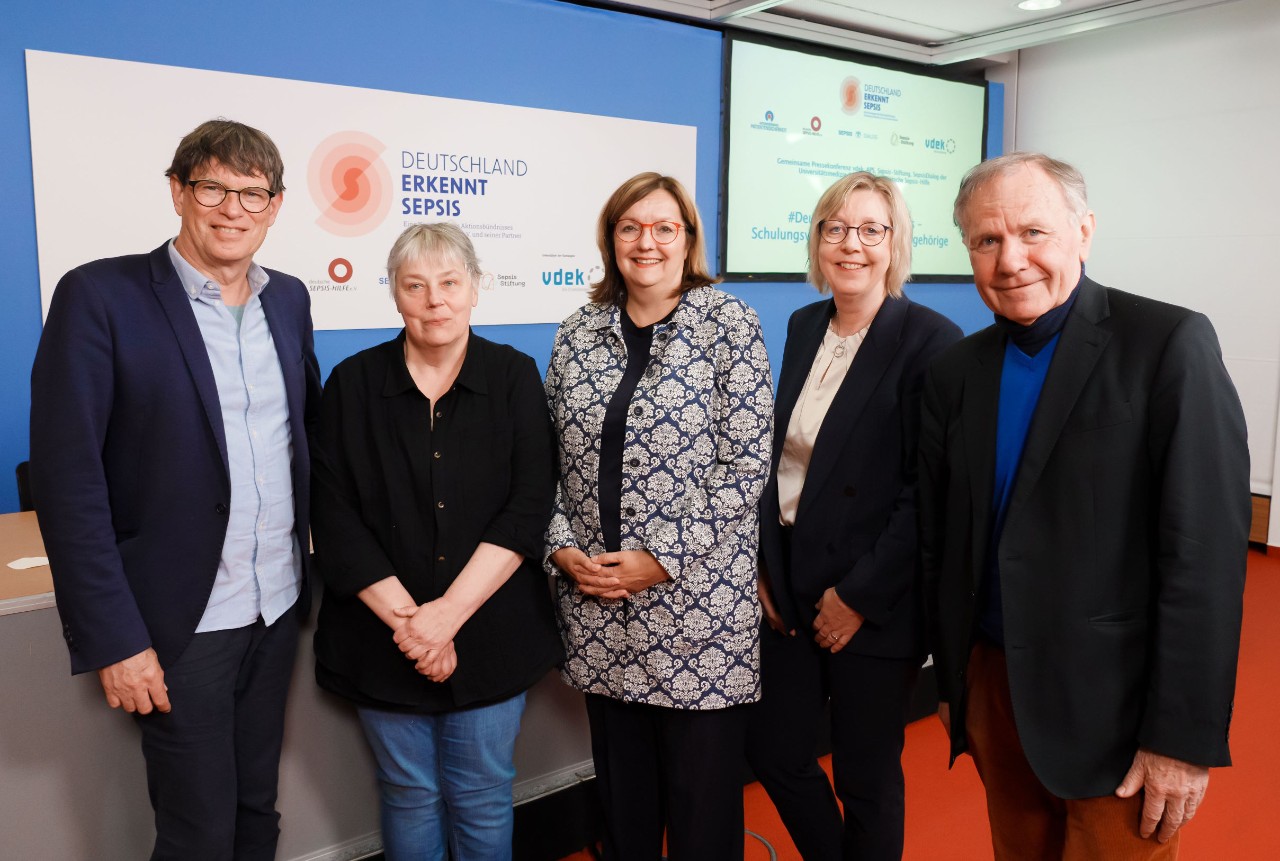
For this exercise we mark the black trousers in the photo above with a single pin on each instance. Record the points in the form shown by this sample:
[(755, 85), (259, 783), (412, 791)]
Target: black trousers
[(869, 698), (213, 762), (677, 769)]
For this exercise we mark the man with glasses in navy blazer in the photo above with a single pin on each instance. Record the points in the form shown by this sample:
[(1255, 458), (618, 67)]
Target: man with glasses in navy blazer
[(170, 400)]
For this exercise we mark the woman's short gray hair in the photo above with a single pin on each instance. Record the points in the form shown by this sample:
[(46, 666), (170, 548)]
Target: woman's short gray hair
[(439, 240), (1070, 180)]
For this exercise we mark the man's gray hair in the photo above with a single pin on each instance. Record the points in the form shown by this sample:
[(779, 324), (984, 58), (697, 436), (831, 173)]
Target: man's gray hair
[(1070, 180)]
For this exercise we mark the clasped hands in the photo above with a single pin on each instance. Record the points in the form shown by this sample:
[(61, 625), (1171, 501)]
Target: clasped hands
[(426, 638), (610, 575)]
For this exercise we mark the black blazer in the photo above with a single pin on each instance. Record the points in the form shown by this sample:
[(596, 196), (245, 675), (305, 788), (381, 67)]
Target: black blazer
[(129, 454), (855, 526), (1123, 553)]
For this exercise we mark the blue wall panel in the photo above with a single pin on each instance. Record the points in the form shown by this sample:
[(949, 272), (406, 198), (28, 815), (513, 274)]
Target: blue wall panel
[(535, 53)]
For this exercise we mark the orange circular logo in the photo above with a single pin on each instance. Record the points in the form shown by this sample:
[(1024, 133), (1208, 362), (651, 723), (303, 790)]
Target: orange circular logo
[(340, 270), (850, 95), (349, 183)]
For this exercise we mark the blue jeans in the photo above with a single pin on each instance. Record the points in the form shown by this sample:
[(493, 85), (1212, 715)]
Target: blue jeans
[(445, 779)]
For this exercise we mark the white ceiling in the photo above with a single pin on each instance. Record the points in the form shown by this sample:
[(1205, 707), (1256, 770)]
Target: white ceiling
[(936, 32)]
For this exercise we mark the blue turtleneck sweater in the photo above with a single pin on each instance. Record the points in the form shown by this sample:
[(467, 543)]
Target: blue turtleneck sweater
[(1027, 355)]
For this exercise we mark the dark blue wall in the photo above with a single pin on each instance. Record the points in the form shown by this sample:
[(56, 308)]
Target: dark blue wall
[(535, 53)]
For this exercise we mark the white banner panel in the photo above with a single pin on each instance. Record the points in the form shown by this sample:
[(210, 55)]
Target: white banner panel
[(526, 184)]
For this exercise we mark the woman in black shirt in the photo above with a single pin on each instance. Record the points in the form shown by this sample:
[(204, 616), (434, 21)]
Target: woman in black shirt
[(432, 488)]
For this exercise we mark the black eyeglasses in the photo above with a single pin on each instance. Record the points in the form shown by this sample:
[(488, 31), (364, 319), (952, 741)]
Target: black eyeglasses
[(870, 233), (211, 193)]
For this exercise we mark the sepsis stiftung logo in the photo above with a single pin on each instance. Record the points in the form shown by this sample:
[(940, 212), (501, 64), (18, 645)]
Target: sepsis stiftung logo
[(349, 183)]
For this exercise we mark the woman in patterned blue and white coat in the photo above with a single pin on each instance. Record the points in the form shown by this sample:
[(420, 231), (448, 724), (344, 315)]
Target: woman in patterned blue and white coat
[(662, 399)]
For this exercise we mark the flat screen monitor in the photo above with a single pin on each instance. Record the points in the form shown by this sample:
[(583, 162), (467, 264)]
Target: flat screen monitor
[(798, 119)]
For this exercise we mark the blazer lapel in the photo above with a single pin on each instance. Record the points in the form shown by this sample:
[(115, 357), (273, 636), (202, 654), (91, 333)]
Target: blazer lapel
[(869, 365), (177, 307), (802, 345), (979, 410), (1079, 347)]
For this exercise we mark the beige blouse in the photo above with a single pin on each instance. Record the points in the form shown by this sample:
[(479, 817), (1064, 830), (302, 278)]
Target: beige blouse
[(830, 366)]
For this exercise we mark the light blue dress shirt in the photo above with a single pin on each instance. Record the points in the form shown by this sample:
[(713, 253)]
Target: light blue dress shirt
[(260, 572)]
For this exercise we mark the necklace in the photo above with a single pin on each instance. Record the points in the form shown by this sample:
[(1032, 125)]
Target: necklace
[(838, 351)]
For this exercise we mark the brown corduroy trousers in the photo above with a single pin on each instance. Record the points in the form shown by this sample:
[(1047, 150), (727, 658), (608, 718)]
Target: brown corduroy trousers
[(1028, 822)]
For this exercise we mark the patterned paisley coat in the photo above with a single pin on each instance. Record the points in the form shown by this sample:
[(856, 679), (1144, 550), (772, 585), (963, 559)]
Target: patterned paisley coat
[(695, 459)]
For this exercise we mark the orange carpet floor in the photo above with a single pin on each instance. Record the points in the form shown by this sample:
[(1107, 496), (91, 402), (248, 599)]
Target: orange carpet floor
[(946, 810)]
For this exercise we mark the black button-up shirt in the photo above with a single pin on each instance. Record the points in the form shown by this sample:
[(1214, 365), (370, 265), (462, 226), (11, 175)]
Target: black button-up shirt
[(394, 496)]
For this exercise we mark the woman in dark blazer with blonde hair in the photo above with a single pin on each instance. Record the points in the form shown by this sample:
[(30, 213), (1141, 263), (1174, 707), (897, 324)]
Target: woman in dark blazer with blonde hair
[(838, 531)]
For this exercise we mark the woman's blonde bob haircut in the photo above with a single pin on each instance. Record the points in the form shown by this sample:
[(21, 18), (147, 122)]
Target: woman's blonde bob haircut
[(833, 200), (611, 289)]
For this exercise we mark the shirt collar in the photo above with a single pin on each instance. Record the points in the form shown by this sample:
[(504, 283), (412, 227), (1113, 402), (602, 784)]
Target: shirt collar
[(200, 286), (470, 376)]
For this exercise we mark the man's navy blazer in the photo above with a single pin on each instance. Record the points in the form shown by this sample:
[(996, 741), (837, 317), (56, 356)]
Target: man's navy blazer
[(1122, 557), (129, 456), (856, 521)]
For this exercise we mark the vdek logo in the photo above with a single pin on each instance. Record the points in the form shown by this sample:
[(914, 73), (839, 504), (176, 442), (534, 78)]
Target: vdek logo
[(564, 278)]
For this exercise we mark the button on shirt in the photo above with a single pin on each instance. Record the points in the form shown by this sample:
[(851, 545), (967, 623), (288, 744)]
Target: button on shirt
[(260, 571)]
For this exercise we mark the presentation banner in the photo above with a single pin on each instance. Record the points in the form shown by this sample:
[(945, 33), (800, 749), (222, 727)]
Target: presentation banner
[(526, 184), (798, 122)]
